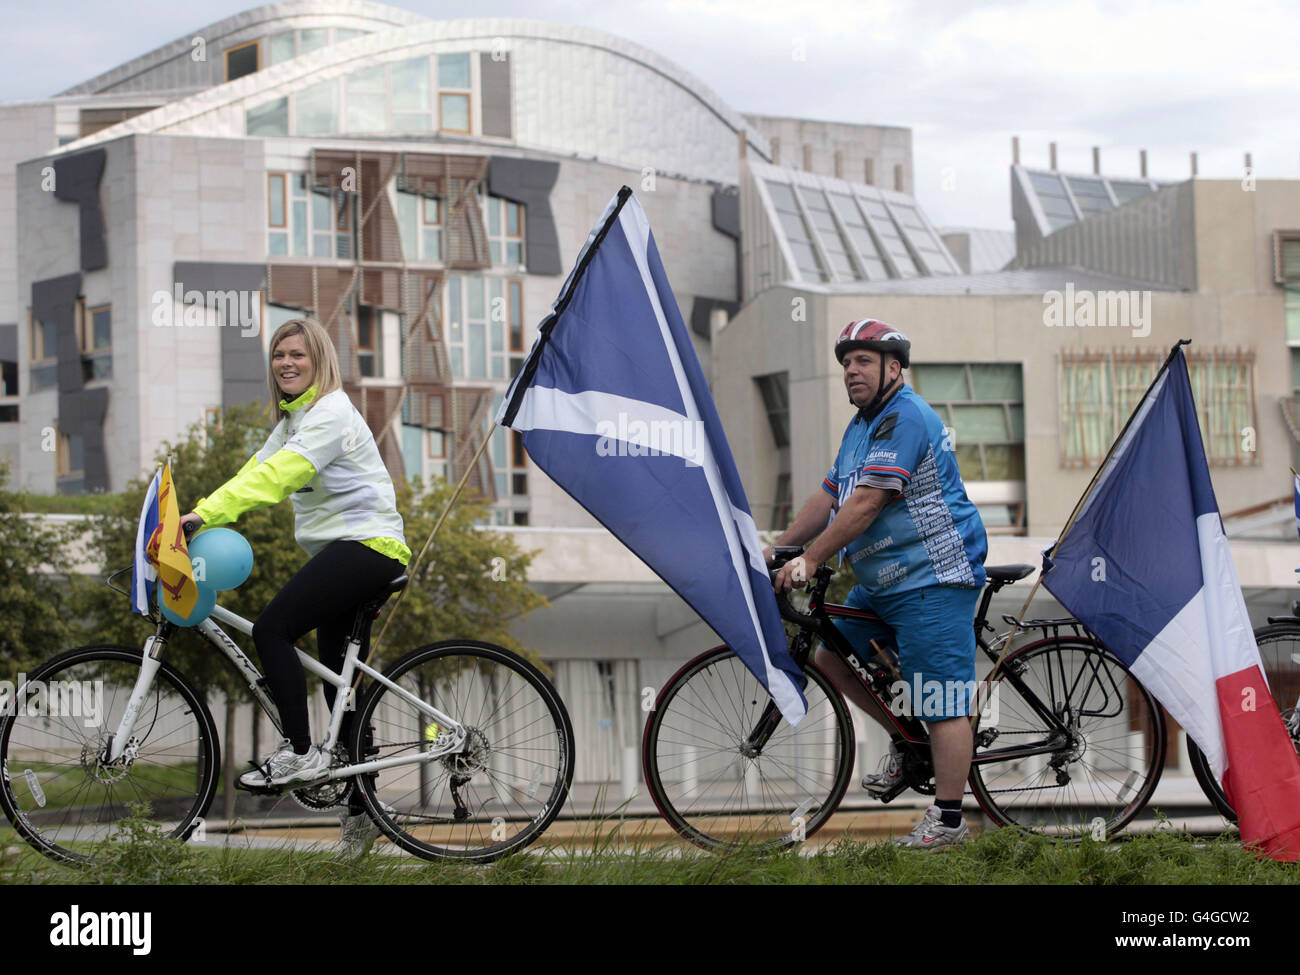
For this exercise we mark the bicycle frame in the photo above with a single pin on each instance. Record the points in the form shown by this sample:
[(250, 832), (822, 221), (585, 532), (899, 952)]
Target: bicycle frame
[(155, 645), (818, 621)]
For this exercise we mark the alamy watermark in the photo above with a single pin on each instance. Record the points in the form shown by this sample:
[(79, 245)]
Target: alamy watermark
[(178, 308), (629, 437), (941, 699), (82, 699), (1098, 309)]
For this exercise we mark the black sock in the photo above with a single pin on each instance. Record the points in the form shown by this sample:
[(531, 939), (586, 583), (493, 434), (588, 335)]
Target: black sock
[(302, 747), (950, 811)]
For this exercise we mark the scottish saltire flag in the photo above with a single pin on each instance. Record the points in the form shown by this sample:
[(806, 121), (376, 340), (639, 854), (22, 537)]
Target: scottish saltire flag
[(144, 573), (612, 404), (1146, 566)]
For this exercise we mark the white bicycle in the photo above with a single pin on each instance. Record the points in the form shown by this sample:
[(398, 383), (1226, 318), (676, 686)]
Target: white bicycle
[(460, 749)]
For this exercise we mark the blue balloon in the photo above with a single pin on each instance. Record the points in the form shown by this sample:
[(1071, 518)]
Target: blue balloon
[(207, 599), (222, 558)]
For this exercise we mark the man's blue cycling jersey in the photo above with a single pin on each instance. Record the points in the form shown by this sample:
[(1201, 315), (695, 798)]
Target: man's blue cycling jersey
[(930, 534)]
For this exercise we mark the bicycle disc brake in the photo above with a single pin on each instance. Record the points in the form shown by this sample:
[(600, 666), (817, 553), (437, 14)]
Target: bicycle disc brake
[(463, 765)]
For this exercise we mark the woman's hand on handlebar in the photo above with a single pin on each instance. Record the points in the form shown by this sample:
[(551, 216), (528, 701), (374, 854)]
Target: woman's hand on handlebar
[(188, 520)]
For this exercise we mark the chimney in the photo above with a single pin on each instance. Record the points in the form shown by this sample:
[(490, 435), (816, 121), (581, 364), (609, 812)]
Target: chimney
[(1193, 165), (1248, 161), (1142, 162), (1096, 160), (1051, 155), (1015, 150)]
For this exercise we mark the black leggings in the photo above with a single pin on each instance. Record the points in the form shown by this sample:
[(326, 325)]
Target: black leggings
[(323, 595)]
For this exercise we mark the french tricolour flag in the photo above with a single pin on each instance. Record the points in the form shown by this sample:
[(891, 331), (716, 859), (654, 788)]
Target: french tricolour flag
[(144, 574), (613, 406), (1146, 566)]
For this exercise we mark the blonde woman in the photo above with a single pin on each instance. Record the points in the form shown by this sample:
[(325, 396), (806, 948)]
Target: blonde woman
[(345, 516)]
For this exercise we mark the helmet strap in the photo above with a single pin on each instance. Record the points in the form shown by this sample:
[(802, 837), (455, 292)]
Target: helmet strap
[(871, 410)]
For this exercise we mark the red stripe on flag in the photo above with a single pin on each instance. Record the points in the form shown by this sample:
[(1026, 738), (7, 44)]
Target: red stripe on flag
[(1263, 777)]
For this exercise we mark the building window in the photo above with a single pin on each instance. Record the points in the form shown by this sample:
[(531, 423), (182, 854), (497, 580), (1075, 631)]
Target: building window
[(1291, 309), (45, 339), (454, 93), (9, 389), (982, 408), (95, 336), (807, 263), (242, 60), (1100, 390), (367, 340), (315, 224), (505, 227), (69, 453), (419, 220), (775, 390)]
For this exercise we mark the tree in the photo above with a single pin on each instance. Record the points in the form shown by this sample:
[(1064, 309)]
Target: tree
[(455, 593), (35, 620), (471, 583)]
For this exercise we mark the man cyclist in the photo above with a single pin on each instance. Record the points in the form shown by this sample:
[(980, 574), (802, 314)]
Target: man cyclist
[(897, 508)]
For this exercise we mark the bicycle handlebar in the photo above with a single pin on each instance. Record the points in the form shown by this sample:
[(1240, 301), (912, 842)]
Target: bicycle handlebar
[(783, 554)]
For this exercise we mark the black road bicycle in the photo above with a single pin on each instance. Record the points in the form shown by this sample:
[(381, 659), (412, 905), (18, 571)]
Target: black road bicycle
[(1068, 743)]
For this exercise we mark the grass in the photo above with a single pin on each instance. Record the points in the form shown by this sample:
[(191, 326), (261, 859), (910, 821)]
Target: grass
[(143, 856)]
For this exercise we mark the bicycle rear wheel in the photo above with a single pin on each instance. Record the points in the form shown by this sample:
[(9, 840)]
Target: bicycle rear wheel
[(1279, 653), (503, 789), (1093, 768), (57, 790), (720, 792)]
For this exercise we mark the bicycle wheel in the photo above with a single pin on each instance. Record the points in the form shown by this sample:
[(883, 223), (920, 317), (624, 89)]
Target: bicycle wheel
[(719, 792), (1090, 771), (503, 789), (56, 789), (1279, 653)]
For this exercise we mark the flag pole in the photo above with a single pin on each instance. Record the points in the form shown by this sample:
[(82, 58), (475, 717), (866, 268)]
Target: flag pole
[(410, 572), (1047, 557)]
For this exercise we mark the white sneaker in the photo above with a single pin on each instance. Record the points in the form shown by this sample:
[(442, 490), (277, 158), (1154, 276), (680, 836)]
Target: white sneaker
[(880, 783), (285, 767), (930, 833), (359, 833)]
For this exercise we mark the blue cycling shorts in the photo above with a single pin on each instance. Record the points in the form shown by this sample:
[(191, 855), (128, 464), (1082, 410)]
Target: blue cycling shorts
[(933, 629)]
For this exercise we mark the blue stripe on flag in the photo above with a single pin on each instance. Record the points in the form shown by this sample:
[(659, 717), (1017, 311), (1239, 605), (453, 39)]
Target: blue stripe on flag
[(143, 573)]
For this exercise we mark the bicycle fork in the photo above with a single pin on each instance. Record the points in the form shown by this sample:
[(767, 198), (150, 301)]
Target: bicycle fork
[(116, 746)]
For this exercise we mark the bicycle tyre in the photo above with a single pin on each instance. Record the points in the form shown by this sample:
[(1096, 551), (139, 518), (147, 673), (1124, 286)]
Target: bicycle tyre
[(56, 793), (522, 726), (1279, 646), (740, 805), (1092, 784)]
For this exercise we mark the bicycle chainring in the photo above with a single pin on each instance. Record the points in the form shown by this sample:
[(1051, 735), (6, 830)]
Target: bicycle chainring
[(329, 794)]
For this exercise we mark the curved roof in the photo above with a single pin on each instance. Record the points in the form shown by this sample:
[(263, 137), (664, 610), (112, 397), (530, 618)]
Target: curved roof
[(290, 76), (333, 13)]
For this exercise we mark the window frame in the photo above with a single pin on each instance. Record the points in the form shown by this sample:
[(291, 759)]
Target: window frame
[(257, 43)]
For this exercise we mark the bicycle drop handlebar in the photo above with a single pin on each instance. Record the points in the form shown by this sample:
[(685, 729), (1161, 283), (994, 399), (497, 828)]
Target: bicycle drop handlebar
[(817, 585)]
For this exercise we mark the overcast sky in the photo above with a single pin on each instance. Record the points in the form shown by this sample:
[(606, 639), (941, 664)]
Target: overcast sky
[(1217, 78)]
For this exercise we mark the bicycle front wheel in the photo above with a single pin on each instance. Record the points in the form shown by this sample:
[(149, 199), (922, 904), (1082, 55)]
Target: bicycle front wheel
[(1279, 654), (502, 789), (719, 787), (58, 790), (1072, 743)]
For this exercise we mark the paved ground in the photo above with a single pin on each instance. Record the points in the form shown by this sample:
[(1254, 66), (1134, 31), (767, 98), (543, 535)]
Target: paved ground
[(592, 816)]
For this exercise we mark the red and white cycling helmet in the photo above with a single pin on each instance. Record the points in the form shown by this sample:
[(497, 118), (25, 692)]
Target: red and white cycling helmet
[(867, 333)]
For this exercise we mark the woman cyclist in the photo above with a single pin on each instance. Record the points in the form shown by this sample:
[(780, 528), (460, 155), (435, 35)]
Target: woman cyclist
[(345, 516)]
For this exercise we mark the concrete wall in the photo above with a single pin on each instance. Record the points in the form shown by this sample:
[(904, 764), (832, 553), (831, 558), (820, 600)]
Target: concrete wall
[(813, 146)]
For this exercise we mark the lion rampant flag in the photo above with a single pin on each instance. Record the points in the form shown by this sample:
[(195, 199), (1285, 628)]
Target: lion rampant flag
[(167, 550)]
